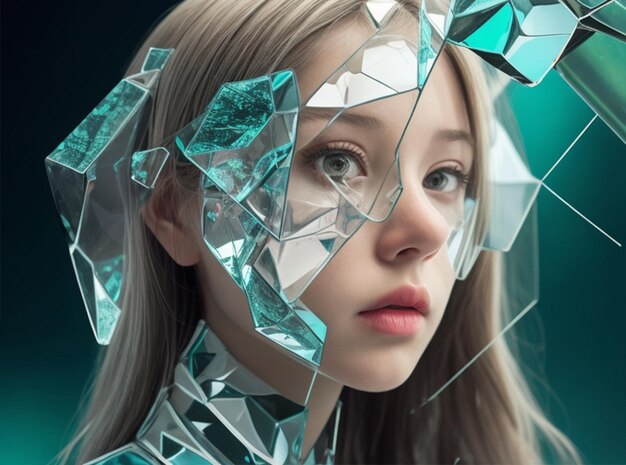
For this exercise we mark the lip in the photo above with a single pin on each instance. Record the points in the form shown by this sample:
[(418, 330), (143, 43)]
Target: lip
[(401, 312)]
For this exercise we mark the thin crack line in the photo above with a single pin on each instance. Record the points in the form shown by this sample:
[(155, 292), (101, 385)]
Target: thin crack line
[(493, 341), (569, 148), (580, 214)]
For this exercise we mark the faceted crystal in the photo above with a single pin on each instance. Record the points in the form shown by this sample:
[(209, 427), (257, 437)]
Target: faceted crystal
[(522, 38), (89, 173)]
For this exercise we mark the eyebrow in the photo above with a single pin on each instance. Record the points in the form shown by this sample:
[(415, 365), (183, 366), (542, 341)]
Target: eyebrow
[(373, 123), (453, 135), (354, 119)]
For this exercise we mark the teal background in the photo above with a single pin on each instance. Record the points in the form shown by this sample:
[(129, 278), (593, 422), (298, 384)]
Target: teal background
[(59, 59)]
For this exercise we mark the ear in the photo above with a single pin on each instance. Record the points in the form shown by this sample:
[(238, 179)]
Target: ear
[(177, 241)]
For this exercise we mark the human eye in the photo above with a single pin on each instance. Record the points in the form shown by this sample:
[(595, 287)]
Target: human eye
[(447, 179), (339, 162)]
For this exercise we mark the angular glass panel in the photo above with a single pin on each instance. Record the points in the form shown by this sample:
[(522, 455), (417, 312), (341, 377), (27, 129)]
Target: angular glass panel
[(521, 38), (595, 70), (146, 166), (156, 59), (89, 173)]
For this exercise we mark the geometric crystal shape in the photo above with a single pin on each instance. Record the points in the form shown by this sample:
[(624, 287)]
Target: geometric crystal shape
[(281, 322), (522, 38), (378, 9), (146, 166), (156, 58), (247, 130), (514, 190), (609, 19), (382, 67), (102, 311), (89, 173), (127, 455), (68, 165), (240, 411)]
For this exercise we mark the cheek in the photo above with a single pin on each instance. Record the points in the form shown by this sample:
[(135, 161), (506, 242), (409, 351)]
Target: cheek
[(354, 354)]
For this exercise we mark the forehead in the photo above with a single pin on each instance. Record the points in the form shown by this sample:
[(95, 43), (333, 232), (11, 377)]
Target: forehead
[(442, 104)]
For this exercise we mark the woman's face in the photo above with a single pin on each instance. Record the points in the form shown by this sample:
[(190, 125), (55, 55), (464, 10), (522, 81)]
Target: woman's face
[(400, 262)]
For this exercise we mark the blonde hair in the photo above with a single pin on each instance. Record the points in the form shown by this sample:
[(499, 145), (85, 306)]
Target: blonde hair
[(488, 415)]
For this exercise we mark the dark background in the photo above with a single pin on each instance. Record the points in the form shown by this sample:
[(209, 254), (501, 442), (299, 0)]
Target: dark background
[(60, 58)]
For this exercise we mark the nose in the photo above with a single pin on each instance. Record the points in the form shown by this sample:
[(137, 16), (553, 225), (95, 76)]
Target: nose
[(415, 229)]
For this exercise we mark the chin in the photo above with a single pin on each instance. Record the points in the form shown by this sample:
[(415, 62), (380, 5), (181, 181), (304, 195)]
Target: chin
[(385, 375)]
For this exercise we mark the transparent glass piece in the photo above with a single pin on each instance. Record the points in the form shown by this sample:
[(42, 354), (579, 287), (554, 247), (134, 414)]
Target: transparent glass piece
[(231, 233), (127, 455), (378, 9), (146, 166), (585, 7), (281, 322), (513, 192), (156, 59), (68, 164), (595, 70), (101, 308), (240, 416), (380, 68), (247, 130), (521, 38), (90, 173)]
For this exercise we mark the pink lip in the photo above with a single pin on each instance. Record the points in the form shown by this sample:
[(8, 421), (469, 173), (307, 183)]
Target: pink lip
[(400, 312)]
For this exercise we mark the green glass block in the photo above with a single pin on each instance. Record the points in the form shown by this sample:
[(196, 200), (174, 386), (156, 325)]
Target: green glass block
[(520, 37), (156, 59), (146, 166), (595, 70), (610, 19)]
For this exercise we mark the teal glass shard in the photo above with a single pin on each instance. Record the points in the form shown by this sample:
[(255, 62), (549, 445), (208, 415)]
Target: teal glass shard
[(582, 8), (95, 132), (68, 164), (90, 174), (275, 319), (522, 38), (244, 136), (156, 59), (595, 70), (146, 166)]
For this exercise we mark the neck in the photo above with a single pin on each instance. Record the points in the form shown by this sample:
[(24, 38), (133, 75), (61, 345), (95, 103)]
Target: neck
[(290, 378)]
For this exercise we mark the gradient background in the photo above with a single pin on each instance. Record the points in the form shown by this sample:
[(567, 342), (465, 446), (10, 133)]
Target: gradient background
[(60, 58)]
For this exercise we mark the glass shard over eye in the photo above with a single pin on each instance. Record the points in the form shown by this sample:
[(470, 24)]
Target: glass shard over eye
[(339, 166)]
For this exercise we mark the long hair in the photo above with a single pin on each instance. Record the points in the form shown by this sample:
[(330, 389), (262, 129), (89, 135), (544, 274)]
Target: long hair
[(488, 415)]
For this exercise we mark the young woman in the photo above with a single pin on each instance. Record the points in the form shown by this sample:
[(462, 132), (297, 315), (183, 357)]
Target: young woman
[(323, 276)]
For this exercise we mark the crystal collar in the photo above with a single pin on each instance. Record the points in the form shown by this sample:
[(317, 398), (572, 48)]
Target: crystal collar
[(218, 412)]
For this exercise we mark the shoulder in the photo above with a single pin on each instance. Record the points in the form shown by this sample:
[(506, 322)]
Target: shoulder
[(130, 454)]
